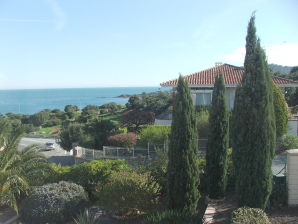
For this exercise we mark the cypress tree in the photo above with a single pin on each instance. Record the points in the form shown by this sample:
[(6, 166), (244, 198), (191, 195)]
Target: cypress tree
[(254, 126), (183, 172), (216, 157), (281, 111)]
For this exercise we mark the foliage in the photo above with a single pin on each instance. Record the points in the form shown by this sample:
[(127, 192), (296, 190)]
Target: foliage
[(71, 134), (19, 170), (71, 108), (52, 122), (216, 157), (54, 203), (293, 97), (154, 134), (135, 118), (231, 178), (88, 113), (88, 174), (279, 195), (158, 170), (253, 126), (245, 215), (39, 118), (100, 130), (123, 139), (28, 128), (172, 217), (128, 193), (288, 142), (111, 107), (280, 111), (280, 69), (156, 102), (85, 217), (203, 123), (182, 166), (134, 103)]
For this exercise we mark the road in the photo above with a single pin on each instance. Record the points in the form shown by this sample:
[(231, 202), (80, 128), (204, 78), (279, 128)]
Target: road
[(58, 155)]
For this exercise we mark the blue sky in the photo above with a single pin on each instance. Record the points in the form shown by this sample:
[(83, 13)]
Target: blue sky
[(105, 43)]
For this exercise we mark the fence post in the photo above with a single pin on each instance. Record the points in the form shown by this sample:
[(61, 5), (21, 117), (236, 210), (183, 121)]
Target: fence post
[(117, 152), (104, 151), (93, 154), (133, 152), (148, 153)]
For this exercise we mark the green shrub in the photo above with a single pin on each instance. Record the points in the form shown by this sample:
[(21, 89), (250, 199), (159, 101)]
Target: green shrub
[(231, 178), (288, 142), (246, 215), (158, 170), (279, 194), (127, 193), (154, 134), (85, 218), (172, 217), (203, 123), (54, 203), (88, 174), (230, 173), (280, 110), (294, 110)]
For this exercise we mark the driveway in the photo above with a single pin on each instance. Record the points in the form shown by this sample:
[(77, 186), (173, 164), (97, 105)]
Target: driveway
[(58, 155)]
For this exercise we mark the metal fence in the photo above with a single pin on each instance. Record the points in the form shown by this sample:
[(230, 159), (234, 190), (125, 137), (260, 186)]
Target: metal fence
[(135, 155)]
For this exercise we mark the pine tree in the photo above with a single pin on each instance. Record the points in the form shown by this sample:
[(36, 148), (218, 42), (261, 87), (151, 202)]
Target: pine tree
[(254, 126), (183, 173), (216, 157)]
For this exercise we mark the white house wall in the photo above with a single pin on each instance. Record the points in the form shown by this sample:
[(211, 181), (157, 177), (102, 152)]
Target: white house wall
[(230, 95)]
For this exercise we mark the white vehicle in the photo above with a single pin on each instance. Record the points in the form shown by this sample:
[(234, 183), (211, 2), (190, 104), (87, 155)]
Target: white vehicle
[(49, 146)]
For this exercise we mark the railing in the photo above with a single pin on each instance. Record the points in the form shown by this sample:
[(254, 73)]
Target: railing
[(137, 152)]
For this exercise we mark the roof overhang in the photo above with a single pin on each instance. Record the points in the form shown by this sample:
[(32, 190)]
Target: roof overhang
[(229, 86)]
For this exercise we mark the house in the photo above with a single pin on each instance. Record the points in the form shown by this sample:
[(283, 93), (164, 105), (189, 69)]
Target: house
[(201, 83)]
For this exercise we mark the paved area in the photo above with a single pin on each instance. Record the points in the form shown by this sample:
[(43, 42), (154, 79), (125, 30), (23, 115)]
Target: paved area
[(58, 155), (278, 163), (6, 214)]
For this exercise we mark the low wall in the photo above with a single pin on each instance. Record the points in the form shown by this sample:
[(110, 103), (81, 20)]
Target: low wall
[(292, 176)]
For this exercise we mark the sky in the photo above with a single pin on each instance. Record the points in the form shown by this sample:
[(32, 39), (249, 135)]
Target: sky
[(116, 43)]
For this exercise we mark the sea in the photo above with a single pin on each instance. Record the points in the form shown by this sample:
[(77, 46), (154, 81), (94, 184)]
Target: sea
[(34, 100)]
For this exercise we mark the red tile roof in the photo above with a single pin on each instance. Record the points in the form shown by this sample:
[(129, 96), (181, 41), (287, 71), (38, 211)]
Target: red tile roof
[(232, 76)]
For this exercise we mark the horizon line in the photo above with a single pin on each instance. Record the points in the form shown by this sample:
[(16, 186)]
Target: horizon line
[(53, 88)]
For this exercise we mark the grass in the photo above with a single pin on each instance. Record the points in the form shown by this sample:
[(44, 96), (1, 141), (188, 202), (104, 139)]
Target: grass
[(48, 131), (114, 117)]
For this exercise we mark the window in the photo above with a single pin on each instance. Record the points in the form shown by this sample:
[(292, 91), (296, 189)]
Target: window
[(203, 98)]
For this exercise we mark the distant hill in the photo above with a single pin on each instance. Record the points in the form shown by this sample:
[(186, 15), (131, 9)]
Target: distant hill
[(280, 68)]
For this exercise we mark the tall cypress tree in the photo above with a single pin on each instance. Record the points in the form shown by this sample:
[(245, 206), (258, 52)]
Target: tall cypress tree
[(254, 126), (183, 172), (216, 157)]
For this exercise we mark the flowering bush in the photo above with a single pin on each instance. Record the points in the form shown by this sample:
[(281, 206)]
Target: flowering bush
[(246, 215), (123, 139)]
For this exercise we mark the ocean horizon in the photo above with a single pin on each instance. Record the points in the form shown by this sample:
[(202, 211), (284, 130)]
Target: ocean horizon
[(30, 101)]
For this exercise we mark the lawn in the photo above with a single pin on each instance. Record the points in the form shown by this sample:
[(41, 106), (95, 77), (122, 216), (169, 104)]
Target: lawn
[(113, 116), (48, 131)]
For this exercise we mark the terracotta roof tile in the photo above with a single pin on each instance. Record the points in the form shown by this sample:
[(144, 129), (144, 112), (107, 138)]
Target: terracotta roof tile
[(232, 76)]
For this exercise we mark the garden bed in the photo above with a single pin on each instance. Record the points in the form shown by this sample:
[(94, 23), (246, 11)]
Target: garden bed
[(283, 215)]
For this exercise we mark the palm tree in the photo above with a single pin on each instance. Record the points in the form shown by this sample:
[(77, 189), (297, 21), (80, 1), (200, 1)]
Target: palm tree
[(19, 170)]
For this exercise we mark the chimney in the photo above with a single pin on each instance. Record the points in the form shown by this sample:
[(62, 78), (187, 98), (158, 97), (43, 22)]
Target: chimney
[(218, 64)]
